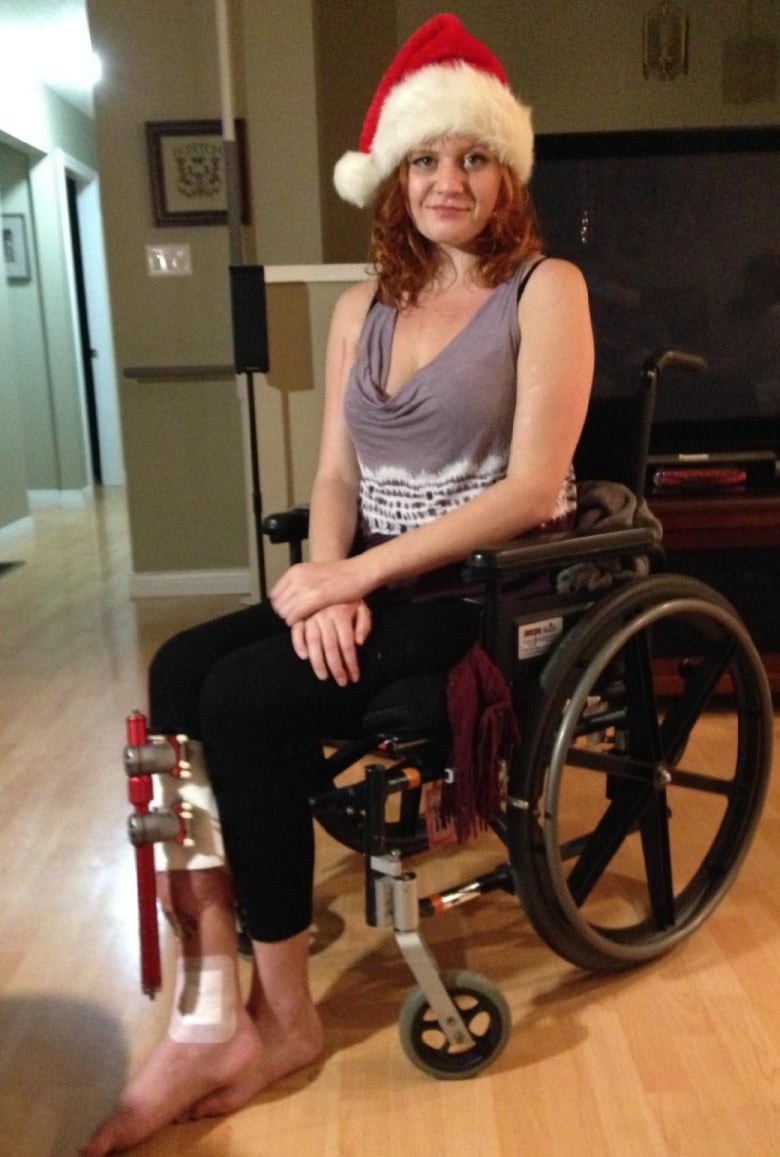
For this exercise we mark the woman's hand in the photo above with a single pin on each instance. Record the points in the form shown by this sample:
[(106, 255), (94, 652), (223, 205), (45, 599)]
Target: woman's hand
[(309, 587), (329, 640)]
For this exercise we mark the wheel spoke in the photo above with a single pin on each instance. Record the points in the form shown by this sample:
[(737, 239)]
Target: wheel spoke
[(645, 738), (617, 823), (656, 848), (684, 712)]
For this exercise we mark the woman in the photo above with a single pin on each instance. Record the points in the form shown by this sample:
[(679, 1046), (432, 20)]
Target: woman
[(456, 385)]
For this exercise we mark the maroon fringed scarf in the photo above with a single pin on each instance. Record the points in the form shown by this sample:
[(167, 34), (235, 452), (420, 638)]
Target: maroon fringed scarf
[(484, 734)]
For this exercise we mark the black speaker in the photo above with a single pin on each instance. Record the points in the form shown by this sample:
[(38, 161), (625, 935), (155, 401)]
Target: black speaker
[(250, 328)]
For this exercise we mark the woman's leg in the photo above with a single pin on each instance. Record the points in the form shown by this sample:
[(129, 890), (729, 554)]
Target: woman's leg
[(256, 703), (216, 1055), (286, 1020), (262, 708), (211, 1042)]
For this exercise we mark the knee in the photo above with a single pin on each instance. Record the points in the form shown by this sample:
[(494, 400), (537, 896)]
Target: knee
[(175, 674), (238, 704), (168, 663)]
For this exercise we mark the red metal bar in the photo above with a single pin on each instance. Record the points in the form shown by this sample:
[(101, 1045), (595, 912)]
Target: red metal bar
[(140, 794), (136, 729), (151, 970)]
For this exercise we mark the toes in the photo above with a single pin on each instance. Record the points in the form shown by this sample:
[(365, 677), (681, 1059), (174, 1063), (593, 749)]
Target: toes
[(218, 1103)]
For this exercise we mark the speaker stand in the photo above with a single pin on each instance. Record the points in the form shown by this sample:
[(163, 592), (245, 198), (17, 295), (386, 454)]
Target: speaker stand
[(257, 494)]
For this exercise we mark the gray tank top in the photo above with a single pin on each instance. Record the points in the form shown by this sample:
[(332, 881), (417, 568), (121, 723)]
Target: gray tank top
[(445, 435)]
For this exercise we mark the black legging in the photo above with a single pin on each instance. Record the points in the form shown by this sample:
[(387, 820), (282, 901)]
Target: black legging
[(236, 684)]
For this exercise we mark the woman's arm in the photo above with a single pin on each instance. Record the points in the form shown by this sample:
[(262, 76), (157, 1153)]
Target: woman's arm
[(329, 637), (333, 500), (554, 374)]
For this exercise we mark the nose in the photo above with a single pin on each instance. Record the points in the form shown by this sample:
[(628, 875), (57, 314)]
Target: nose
[(449, 176)]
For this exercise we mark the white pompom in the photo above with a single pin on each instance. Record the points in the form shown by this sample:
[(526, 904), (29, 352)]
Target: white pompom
[(356, 178)]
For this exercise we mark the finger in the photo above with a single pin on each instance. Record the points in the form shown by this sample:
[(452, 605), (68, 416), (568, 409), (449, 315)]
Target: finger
[(298, 635), (314, 649), (331, 640), (335, 645), (363, 623), (345, 636)]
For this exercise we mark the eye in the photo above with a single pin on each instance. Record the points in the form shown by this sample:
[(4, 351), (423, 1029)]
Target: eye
[(422, 161), (476, 160)]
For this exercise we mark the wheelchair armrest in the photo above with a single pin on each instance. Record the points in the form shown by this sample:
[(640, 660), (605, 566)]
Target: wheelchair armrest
[(287, 525), (558, 550)]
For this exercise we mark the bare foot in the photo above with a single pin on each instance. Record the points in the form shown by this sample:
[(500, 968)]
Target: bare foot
[(174, 1078), (287, 1047)]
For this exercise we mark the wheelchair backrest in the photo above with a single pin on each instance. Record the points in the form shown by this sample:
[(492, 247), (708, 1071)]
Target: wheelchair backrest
[(616, 435)]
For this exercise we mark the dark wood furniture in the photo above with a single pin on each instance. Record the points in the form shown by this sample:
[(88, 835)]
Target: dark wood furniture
[(732, 541)]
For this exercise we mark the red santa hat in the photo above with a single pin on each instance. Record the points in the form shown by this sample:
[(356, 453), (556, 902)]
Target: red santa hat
[(443, 82)]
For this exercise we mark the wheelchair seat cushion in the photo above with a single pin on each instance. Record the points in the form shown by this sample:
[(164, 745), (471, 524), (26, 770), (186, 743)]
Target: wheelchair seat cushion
[(410, 708), (471, 708)]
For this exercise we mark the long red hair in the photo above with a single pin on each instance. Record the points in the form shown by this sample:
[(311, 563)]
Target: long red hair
[(405, 261)]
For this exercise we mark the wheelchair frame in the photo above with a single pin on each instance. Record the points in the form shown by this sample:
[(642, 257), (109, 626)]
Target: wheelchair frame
[(606, 777)]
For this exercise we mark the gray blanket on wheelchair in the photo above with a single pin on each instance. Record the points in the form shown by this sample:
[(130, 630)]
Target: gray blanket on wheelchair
[(604, 506)]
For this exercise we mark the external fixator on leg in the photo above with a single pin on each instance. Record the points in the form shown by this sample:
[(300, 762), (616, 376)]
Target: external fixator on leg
[(145, 756), (183, 819), (175, 823)]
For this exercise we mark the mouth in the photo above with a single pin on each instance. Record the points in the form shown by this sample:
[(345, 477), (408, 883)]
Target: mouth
[(448, 210)]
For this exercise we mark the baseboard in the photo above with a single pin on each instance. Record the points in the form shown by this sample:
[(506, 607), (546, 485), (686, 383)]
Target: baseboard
[(61, 499), (173, 583), (16, 530)]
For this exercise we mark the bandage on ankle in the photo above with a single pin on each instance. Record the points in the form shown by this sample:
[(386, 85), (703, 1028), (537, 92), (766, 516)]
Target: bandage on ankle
[(204, 1007), (207, 850)]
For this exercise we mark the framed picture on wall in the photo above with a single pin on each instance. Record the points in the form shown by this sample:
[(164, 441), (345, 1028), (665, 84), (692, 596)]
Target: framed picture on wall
[(15, 252), (187, 172)]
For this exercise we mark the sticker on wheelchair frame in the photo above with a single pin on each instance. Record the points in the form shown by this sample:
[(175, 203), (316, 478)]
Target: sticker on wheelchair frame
[(536, 638), (440, 834)]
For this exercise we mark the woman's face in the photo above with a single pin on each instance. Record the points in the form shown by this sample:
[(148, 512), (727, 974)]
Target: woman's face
[(452, 188)]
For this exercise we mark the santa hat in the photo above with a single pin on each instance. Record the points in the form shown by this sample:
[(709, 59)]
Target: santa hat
[(443, 82)]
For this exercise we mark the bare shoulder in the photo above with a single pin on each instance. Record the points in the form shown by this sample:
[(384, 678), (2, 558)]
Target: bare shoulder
[(346, 324), (555, 275), (351, 307), (556, 291)]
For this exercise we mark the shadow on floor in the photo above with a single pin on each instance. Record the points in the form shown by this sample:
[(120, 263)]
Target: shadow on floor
[(62, 1063)]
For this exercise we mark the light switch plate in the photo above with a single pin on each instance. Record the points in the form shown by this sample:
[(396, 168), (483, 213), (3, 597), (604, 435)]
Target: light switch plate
[(168, 260)]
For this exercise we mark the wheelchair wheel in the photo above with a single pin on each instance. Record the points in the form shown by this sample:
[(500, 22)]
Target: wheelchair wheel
[(626, 829), (485, 1013)]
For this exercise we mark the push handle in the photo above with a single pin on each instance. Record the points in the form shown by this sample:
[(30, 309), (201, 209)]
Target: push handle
[(677, 360)]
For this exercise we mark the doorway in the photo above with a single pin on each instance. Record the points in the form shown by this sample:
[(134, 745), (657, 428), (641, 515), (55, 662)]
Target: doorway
[(95, 333), (85, 344)]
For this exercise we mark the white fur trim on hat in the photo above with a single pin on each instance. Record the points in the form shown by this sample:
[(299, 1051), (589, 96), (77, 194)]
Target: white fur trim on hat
[(438, 101)]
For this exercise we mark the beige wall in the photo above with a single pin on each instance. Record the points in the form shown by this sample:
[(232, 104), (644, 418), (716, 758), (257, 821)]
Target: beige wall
[(305, 71), (185, 480)]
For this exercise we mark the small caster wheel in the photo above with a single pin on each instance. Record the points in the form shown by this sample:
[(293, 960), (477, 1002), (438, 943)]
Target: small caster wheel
[(485, 1013)]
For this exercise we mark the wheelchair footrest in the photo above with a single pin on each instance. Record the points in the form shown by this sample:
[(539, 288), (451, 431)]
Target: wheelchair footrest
[(405, 775), (500, 879)]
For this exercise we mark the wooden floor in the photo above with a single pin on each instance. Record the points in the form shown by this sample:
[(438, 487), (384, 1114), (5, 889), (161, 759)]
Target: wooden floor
[(680, 1058)]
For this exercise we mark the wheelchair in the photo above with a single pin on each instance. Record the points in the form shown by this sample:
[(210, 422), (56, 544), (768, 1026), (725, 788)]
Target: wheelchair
[(617, 830)]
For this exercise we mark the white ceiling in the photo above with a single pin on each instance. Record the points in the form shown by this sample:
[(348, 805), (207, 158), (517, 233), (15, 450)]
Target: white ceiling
[(50, 40)]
